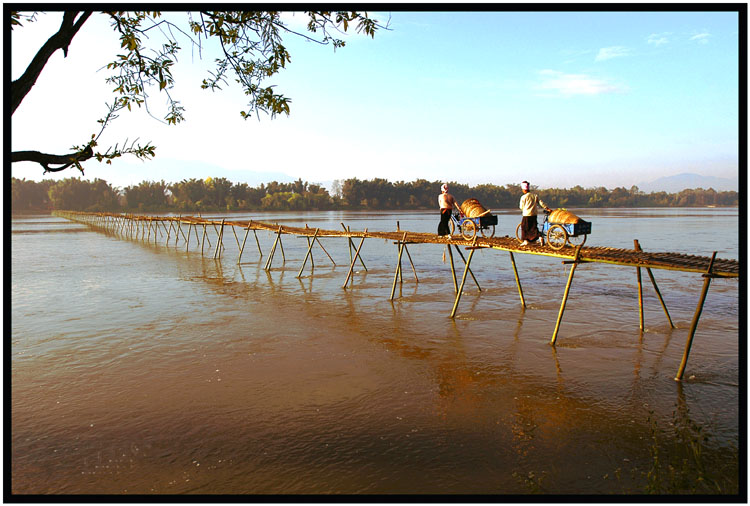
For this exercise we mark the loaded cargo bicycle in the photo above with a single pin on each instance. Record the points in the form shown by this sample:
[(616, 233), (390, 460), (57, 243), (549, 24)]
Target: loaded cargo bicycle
[(561, 227), (470, 217)]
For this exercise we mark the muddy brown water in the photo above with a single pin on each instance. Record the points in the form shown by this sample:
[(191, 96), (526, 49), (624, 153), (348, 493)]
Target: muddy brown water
[(140, 368)]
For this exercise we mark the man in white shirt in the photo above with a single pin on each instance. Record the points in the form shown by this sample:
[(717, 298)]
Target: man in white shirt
[(446, 203), (528, 205)]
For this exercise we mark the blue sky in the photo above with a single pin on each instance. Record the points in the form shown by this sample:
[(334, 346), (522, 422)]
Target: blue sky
[(558, 98)]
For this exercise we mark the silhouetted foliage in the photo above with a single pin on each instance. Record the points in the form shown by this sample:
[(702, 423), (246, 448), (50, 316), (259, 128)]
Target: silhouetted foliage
[(251, 51), (220, 194), (147, 196)]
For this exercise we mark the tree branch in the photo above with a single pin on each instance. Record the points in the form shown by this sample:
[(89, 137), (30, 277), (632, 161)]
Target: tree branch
[(44, 159), (61, 40)]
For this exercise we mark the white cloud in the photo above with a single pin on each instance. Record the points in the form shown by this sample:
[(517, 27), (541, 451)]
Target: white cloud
[(576, 84), (701, 38), (658, 39), (607, 53)]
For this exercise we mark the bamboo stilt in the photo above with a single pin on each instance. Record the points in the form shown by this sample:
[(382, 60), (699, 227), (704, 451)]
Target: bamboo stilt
[(258, 243), (351, 245), (219, 241), (565, 296), (325, 251), (179, 227), (354, 260), (273, 250), (470, 272), (694, 324), (401, 246), (242, 248), (187, 241), (208, 237), (203, 239), (281, 244), (169, 233), (463, 282), (453, 270), (656, 288), (349, 240), (400, 271), (236, 239), (518, 280), (412, 264), (309, 252), (640, 291), (270, 254)]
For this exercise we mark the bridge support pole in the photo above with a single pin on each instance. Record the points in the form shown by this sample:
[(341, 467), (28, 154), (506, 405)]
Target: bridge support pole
[(414, 270), (694, 324), (640, 290), (218, 241), (236, 239), (467, 265), (401, 246), (354, 260), (656, 288), (257, 241), (518, 280), (565, 296), (178, 228), (463, 282), (244, 239), (309, 251), (453, 270), (325, 251), (351, 245), (281, 244), (273, 250)]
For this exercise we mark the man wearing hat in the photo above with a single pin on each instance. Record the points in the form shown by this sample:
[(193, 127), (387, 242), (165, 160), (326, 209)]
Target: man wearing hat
[(529, 202), (446, 202)]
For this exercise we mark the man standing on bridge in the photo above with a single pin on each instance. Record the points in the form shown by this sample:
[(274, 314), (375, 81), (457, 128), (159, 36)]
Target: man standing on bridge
[(446, 202), (529, 201)]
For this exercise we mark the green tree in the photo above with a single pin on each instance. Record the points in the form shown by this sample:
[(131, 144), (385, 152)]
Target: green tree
[(78, 195), (249, 43), (188, 192), (218, 190), (30, 195), (147, 195)]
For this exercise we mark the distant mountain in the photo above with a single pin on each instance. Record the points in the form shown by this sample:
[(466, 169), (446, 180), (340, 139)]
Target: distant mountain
[(679, 182)]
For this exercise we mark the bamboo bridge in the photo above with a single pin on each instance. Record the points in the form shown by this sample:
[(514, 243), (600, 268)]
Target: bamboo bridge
[(151, 228)]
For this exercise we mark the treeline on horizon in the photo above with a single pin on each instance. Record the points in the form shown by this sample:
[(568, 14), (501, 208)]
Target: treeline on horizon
[(220, 194)]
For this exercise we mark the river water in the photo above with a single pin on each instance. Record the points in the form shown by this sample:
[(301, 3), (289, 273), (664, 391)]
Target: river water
[(146, 368)]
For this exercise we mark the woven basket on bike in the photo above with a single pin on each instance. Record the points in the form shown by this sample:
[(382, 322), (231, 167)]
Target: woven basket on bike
[(563, 216), (473, 209)]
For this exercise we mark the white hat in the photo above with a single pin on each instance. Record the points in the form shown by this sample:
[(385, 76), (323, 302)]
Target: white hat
[(525, 185), (444, 187)]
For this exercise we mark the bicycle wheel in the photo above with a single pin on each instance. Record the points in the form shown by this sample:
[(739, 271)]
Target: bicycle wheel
[(557, 236), (577, 240), (518, 233), (468, 230), (488, 231)]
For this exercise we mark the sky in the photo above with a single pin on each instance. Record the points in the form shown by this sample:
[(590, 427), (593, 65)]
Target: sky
[(590, 98)]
